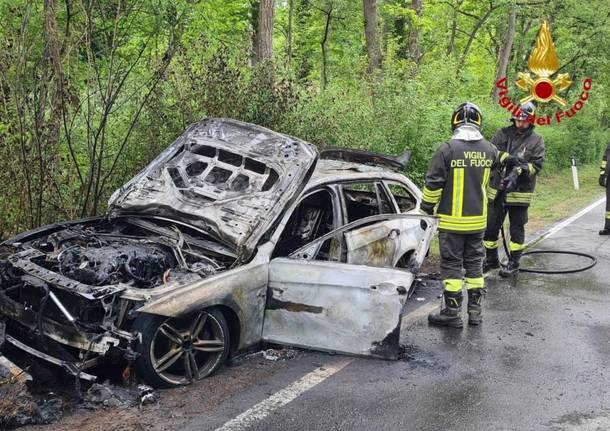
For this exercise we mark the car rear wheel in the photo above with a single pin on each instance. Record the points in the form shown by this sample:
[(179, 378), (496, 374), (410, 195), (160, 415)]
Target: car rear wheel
[(179, 350)]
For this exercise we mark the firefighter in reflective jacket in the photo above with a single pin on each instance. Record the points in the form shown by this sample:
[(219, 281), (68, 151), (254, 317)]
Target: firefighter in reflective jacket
[(456, 181), (603, 181), (512, 186)]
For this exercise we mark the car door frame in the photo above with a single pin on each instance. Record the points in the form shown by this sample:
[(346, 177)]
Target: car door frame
[(416, 196), (378, 182), (304, 252), (337, 212)]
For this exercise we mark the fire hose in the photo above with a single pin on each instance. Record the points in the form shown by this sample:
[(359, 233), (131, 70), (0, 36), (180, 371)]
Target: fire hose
[(508, 183), (591, 264)]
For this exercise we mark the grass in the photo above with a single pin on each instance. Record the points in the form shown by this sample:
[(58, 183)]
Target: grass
[(556, 199)]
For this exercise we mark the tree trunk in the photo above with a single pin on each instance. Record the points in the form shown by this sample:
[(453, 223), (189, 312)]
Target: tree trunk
[(370, 33), (265, 30), (472, 36), (519, 60), (324, 74), (414, 47), (255, 6), (159, 75), (47, 137), (50, 35), (289, 34), (505, 50), (454, 18)]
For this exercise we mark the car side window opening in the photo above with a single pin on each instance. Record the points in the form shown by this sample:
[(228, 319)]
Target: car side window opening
[(366, 199), (311, 219), (405, 200)]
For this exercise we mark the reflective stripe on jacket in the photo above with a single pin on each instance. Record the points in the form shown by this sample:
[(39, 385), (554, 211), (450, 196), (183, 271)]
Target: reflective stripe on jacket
[(605, 168), (457, 181), (529, 148)]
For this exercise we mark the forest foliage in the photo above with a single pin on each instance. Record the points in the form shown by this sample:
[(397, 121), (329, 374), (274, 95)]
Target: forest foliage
[(92, 90)]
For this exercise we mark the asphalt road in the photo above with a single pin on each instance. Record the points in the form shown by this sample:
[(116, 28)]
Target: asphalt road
[(540, 361)]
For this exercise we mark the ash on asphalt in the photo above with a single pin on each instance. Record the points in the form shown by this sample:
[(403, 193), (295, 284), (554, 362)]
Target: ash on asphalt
[(417, 357)]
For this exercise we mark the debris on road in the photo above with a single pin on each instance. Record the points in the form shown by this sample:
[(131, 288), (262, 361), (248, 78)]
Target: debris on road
[(147, 395), (280, 354), (271, 354), (18, 407), (417, 357), (109, 395)]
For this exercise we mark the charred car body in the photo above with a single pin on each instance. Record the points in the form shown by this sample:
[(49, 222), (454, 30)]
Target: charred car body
[(234, 235)]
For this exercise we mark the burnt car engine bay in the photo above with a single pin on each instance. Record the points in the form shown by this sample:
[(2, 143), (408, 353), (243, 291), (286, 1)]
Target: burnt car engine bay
[(79, 285)]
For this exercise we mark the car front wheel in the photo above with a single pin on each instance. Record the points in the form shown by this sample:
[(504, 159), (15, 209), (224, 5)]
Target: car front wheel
[(179, 350)]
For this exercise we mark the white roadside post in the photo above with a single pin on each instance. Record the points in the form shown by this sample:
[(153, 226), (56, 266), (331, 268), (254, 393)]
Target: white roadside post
[(575, 174)]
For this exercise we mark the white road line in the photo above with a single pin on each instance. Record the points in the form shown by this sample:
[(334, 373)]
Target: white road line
[(284, 396), (559, 226), (419, 313)]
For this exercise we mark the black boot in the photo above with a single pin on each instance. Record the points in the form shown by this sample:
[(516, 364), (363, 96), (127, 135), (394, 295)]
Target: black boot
[(451, 313), (491, 259), (512, 269), (604, 231), (475, 302)]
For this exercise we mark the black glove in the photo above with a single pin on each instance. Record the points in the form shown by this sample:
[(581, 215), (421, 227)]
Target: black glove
[(511, 162), (511, 180), (602, 180)]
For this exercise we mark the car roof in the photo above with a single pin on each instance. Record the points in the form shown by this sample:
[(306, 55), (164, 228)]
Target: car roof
[(336, 170)]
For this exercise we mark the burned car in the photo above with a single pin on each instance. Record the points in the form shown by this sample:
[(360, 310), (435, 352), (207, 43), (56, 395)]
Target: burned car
[(233, 236)]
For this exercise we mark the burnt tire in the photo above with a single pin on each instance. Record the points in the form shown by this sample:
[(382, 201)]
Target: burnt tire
[(176, 351)]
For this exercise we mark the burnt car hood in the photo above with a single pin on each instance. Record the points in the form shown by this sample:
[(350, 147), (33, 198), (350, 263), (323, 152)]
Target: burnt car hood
[(228, 178)]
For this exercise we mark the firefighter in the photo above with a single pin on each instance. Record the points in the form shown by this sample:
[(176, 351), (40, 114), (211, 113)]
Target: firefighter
[(603, 181), (456, 181), (512, 185)]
